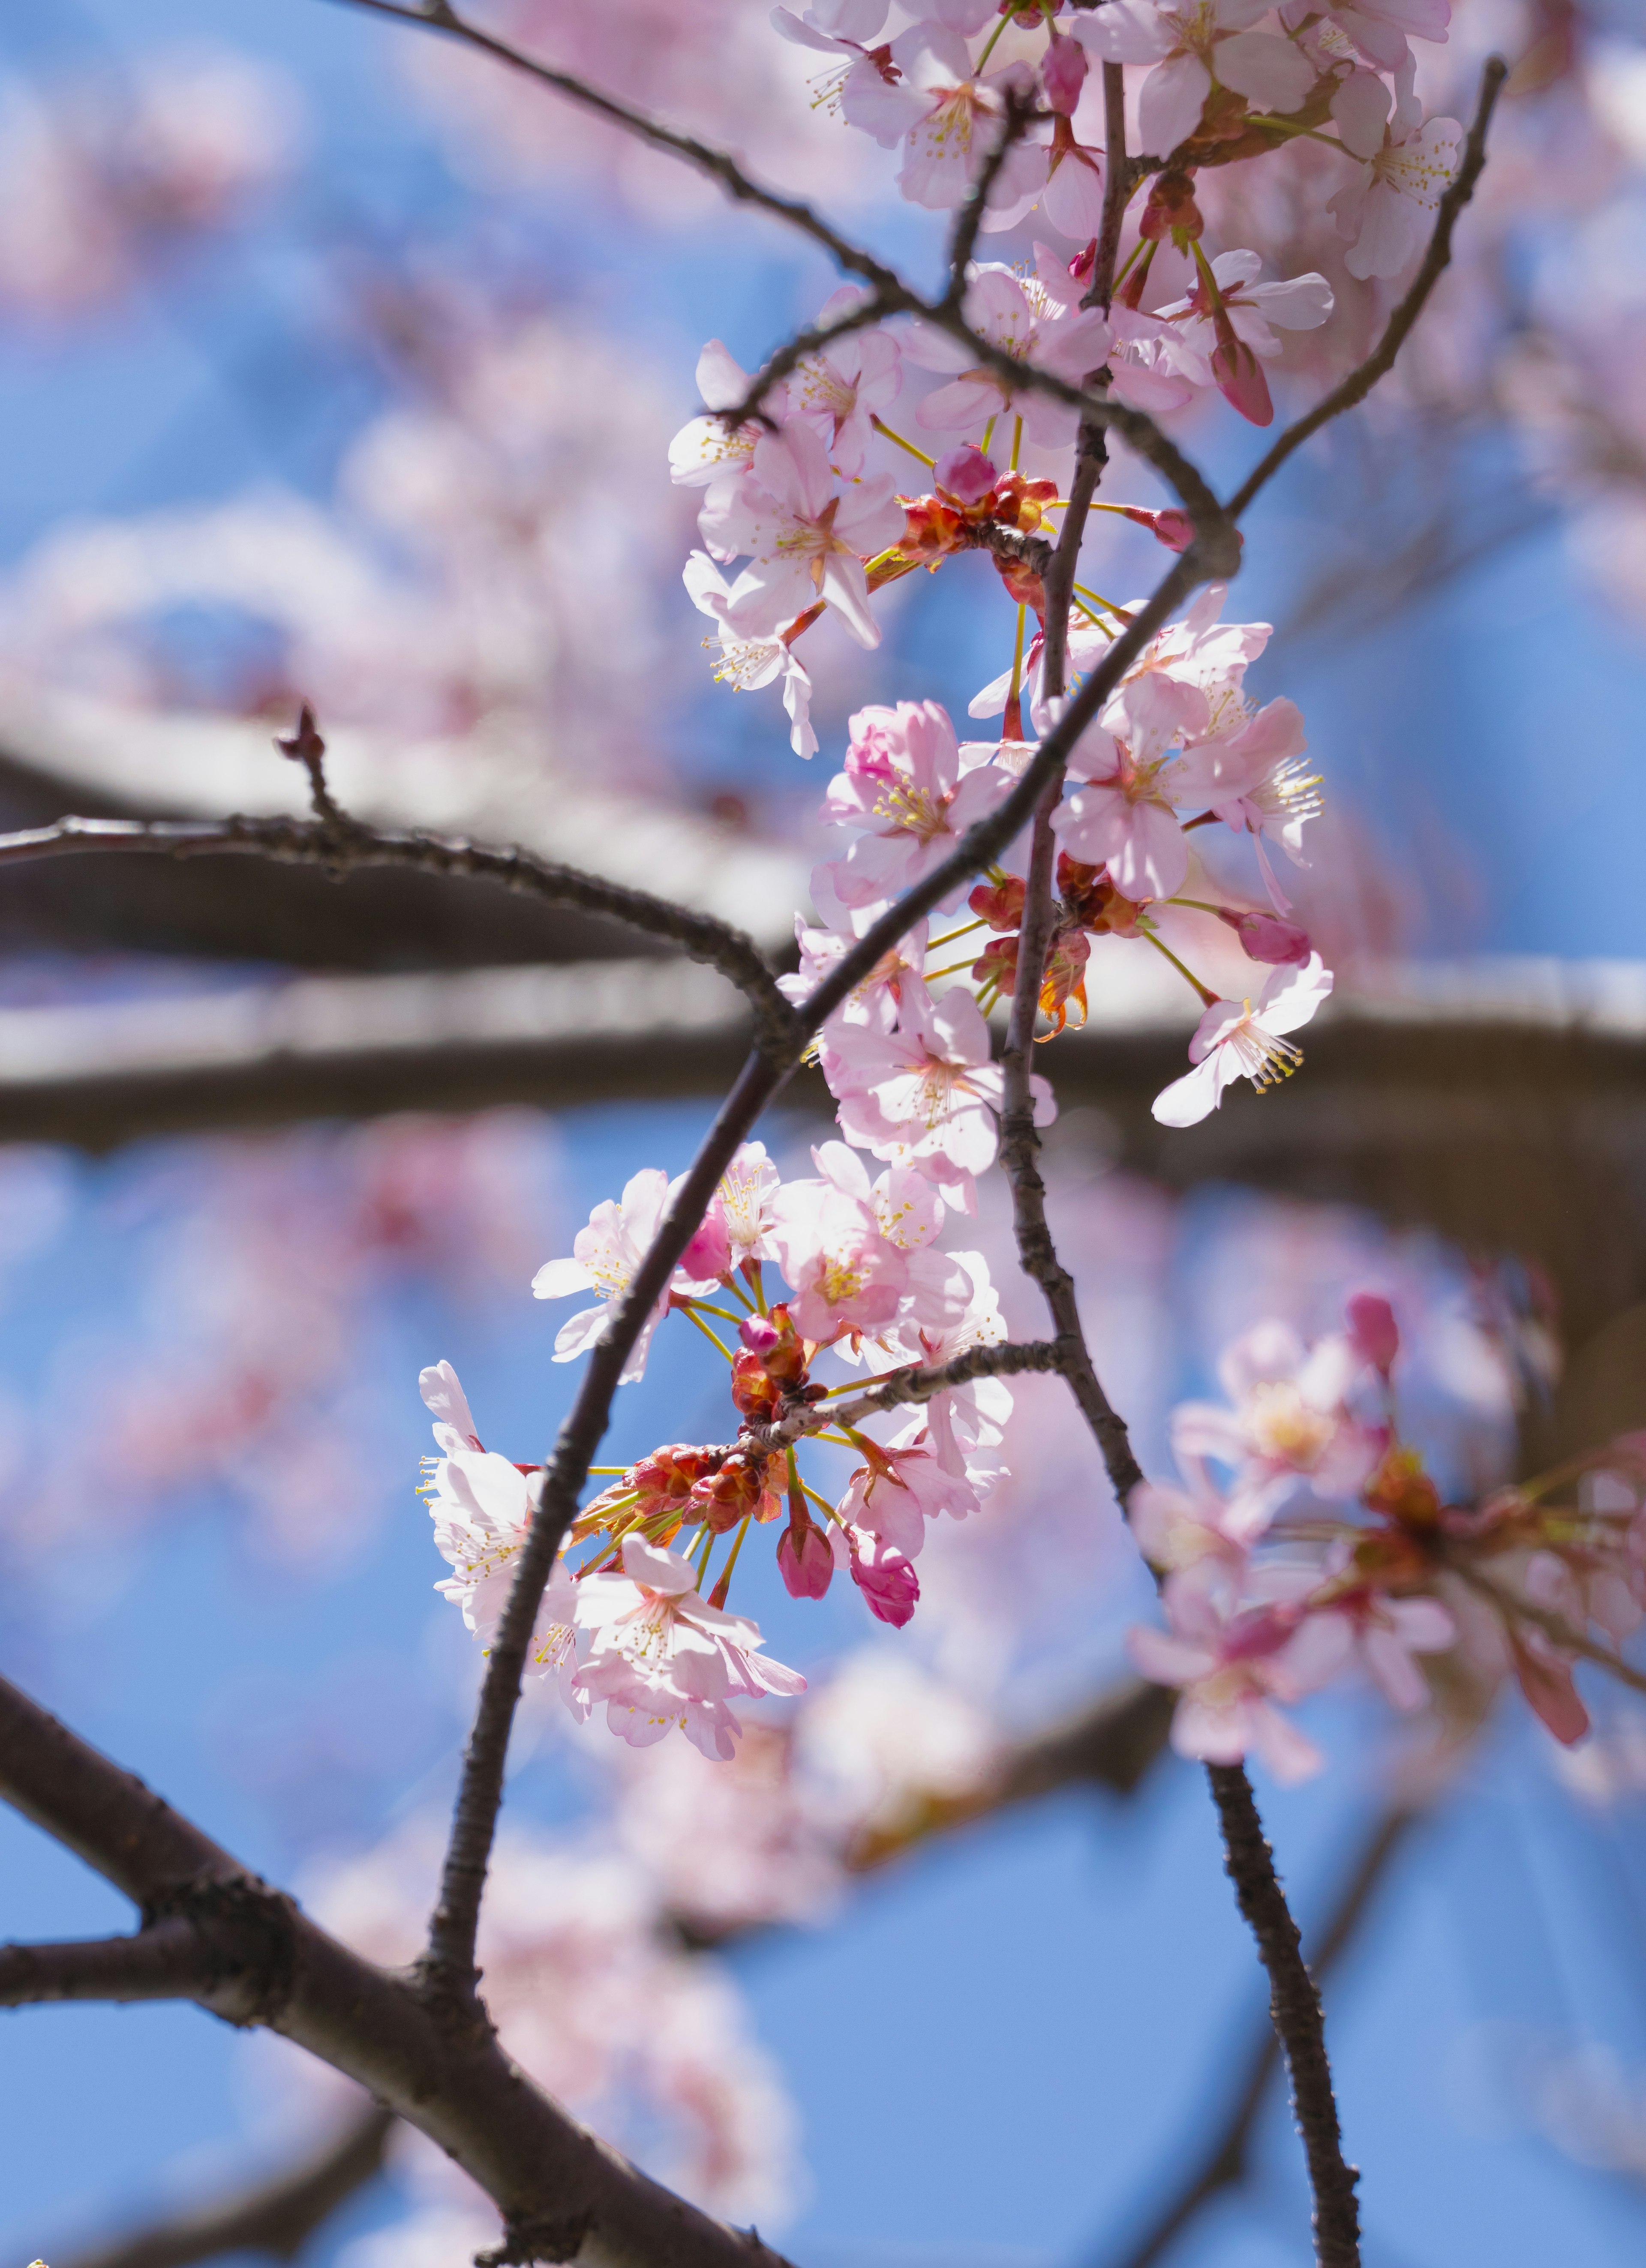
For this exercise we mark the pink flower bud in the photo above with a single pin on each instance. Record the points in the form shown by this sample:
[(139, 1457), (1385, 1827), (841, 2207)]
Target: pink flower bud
[(805, 1561), (1240, 380), (1063, 73), (886, 1577), (965, 474), (1173, 528), (1374, 1333), (1265, 939), (758, 1334)]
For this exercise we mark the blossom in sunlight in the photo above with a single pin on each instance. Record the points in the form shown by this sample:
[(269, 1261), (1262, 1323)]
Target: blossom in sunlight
[(605, 1255), (1290, 1419), (846, 1275), (928, 1091), (737, 1227), (840, 389), (906, 783), (1017, 315), (1235, 1040), (806, 535), (1188, 46), (746, 664), (660, 1655)]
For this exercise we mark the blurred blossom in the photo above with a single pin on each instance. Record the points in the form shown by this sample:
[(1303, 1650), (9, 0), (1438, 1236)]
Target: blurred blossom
[(99, 175), (650, 2045), (259, 1267), (883, 1736)]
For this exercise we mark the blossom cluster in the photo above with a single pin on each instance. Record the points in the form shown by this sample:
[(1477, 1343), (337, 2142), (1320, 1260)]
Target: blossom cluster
[(1322, 1540), (801, 514)]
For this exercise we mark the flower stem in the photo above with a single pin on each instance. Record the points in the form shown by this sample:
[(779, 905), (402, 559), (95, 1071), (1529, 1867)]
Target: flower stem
[(717, 1597), (707, 1333), (881, 426), (1208, 998)]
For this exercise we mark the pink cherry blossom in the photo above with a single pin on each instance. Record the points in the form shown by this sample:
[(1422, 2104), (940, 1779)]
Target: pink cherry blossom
[(708, 449), (1253, 310), (876, 1001), (660, 1655), (885, 1575), (605, 1255), (907, 1486), (948, 116), (904, 777), (1189, 45), (1015, 313), (846, 1275), (806, 534), (1120, 812), (737, 1225), (746, 664), (1234, 1040), (927, 1091), (1233, 1663), (1384, 210), (839, 390), (1289, 1420), (964, 1420)]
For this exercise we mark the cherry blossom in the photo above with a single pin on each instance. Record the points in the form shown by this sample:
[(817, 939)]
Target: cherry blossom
[(807, 535), (605, 1255), (843, 388), (1120, 814), (1384, 210), (1190, 46), (746, 664), (1016, 315), (659, 1655), (736, 1229), (881, 1572), (904, 771), (1234, 1040), (927, 1091), (1233, 1663), (846, 1276), (1290, 1419), (947, 116), (877, 1000)]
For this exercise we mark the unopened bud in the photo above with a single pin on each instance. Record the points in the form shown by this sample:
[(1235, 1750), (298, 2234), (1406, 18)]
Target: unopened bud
[(1063, 73), (805, 1561), (1265, 939), (965, 474), (1000, 904), (1373, 1331), (1240, 379), (885, 1576)]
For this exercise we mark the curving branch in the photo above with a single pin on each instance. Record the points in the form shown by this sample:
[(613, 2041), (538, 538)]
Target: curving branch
[(343, 845), (272, 2219)]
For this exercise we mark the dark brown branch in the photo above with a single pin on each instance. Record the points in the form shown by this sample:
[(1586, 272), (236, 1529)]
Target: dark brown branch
[(1227, 2162), (347, 846), (274, 2218), (543, 2170), (173, 1960), (911, 1384), (1119, 181), (1360, 382), (1294, 2011)]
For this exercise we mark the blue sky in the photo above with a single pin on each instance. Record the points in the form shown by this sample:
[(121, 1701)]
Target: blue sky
[(1003, 2046)]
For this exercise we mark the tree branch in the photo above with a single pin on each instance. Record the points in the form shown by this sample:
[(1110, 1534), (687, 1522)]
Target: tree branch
[(274, 2218), (576, 2196), (1226, 2161), (1360, 382), (173, 1960), (913, 1383), (1296, 2013), (346, 846)]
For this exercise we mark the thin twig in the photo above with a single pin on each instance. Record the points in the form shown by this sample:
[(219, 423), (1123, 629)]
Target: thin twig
[(345, 845), (1360, 381), (170, 1961), (913, 1383)]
